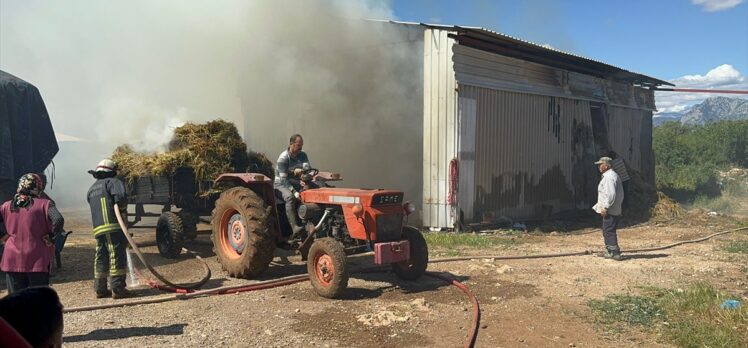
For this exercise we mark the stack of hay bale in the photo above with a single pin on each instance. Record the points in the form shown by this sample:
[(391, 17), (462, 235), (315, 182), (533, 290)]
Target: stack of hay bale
[(210, 149)]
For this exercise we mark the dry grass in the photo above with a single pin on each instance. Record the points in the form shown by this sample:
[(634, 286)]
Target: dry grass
[(666, 208)]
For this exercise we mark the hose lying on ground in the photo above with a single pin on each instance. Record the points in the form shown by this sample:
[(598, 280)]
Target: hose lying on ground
[(472, 336), (169, 286), (580, 253)]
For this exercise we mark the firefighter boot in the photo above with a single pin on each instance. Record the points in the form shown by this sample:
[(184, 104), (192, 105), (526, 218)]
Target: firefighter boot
[(101, 289), (118, 288)]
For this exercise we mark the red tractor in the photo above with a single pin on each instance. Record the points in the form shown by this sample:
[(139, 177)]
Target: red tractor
[(249, 223)]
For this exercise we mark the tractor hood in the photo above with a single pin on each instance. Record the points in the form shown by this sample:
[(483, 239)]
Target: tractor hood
[(365, 197)]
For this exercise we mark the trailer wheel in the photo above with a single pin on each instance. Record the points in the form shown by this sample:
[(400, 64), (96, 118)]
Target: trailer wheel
[(243, 232), (189, 224), (419, 256), (169, 235), (327, 267)]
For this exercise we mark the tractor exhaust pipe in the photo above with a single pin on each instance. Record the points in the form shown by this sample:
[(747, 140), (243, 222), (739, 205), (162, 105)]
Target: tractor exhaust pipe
[(310, 237)]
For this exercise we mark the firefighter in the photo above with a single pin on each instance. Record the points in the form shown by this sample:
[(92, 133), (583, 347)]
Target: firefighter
[(288, 172), (111, 245)]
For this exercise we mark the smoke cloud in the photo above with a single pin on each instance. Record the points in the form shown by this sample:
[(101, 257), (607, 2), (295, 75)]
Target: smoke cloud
[(130, 71)]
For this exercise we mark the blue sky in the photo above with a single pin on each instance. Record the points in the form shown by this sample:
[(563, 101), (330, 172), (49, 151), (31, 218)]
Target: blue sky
[(676, 40)]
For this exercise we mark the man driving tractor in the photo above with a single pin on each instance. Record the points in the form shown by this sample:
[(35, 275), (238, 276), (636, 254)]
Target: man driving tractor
[(290, 167)]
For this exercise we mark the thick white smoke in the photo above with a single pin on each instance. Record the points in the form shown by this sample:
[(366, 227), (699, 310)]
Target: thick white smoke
[(130, 71)]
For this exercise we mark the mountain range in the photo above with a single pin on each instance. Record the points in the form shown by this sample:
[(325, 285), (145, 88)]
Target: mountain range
[(713, 109)]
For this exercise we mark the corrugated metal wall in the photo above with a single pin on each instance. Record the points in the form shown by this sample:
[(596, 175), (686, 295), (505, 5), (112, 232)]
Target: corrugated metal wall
[(439, 127), (533, 156), (485, 69), (630, 136)]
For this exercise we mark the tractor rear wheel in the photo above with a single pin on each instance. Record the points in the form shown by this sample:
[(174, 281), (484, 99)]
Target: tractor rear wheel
[(243, 232), (419, 256), (327, 267), (169, 235)]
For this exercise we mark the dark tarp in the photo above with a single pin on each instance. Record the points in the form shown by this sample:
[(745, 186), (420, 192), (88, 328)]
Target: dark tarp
[(27, 140)]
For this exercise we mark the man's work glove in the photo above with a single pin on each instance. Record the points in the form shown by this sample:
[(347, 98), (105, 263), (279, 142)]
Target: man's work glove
[(298, 172)]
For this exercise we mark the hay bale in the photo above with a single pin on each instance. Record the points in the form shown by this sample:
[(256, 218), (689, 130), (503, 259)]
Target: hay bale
[(666, 208), (210, 149)]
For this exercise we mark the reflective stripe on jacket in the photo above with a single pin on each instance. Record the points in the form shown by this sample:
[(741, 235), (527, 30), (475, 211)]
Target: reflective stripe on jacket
[(102, 196)]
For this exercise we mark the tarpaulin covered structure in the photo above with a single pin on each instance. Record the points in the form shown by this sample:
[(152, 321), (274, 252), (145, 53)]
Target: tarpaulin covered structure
[(27, 140)]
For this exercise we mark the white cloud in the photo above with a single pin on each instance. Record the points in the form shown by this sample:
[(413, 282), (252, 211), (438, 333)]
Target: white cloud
[(548, 46), (724, 76), (716, 5)]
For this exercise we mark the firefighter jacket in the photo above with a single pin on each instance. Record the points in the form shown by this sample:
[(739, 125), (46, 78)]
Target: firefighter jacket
[(102, 196)]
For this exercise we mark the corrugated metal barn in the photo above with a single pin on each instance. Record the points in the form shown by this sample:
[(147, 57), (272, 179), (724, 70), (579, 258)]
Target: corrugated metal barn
[(523, 124), (511, 128)]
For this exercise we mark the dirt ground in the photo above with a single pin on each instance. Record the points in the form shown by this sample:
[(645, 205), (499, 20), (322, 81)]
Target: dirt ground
[(525, 303)]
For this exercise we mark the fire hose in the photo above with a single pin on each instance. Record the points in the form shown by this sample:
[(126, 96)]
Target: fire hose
[(168, 286)]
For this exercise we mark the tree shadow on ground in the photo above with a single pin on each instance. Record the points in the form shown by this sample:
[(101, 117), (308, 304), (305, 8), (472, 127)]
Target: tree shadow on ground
[(126, 332)]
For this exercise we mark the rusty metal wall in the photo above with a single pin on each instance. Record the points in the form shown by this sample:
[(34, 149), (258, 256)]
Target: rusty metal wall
[(533, 155), (439, 127), (630, 136)]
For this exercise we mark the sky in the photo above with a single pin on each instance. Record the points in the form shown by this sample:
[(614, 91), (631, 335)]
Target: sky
[(692, 43)]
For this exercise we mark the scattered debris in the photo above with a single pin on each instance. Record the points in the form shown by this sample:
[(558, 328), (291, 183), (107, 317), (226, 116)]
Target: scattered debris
[(383, 318), (504, 269)]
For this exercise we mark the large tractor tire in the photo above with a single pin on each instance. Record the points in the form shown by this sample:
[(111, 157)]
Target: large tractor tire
[(327, 267), (243, 232), (169, 235), (419, 256), (189, 224)]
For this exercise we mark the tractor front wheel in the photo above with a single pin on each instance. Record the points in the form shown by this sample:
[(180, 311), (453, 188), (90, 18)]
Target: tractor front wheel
[(419, 256), (169, 235), (327, 267)]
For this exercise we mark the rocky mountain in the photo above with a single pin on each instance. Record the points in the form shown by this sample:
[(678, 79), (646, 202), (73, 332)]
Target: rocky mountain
[(711, 110), (716, 109)]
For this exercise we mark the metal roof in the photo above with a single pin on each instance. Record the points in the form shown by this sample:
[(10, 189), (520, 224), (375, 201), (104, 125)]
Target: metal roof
[(507, 45)]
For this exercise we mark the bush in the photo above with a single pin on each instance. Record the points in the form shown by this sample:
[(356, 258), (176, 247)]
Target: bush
[(687, 157)]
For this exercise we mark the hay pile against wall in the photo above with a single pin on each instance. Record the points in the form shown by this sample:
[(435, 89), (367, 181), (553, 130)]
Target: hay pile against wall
[(210, 149)]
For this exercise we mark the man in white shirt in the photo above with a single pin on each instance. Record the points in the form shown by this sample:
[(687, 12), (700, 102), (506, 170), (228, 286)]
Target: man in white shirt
[(609, 201)]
